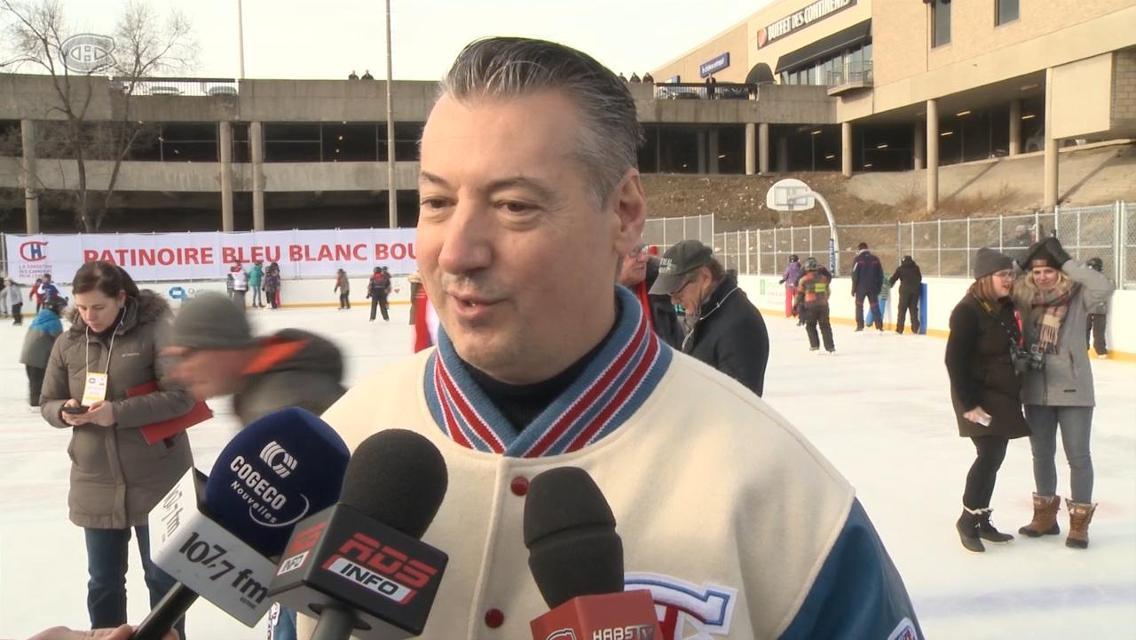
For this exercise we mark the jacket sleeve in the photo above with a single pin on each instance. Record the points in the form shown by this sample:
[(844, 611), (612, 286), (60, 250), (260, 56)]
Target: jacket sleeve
[(894, 277), (858, 592), (855, 274), (169, 401), (1095, 286), (56, 388), (743, 354), (960, 353)]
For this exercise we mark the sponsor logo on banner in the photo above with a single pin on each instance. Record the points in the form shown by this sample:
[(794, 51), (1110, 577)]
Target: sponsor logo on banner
[(33, 251), (267, 505), (87, 52)]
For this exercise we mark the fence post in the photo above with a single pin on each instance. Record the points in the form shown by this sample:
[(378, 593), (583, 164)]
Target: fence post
[(968, 251), (759, 251), (684, 231), (1037, 223), (1120, 244), (912, 223), (898, 241), (792, 241), (939, 242), (748, 271)]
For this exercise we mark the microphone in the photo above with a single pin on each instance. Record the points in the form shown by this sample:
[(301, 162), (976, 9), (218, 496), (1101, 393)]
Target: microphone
[(215, 534), (360, 566), (576, 558)]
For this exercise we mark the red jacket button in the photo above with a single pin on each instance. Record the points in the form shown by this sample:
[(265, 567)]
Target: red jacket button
[(519, 485), (494, 618)]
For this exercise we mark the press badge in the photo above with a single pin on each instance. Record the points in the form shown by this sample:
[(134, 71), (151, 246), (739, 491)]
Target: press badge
[(96, 389)]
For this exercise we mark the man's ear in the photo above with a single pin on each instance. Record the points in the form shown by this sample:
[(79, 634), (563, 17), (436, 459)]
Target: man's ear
[(629, 204)]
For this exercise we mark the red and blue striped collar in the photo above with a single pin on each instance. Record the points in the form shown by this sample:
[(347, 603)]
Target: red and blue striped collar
[(611, 388)]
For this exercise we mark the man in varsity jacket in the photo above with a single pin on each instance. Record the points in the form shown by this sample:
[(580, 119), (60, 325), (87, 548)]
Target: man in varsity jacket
[(734, 523)]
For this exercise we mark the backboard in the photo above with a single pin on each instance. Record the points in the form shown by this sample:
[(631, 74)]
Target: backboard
[(790, 195)]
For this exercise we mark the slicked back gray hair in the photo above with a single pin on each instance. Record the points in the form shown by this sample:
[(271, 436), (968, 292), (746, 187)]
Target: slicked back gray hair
[(516, 67)]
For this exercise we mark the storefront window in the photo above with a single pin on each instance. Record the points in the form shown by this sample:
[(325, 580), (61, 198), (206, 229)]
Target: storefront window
[(940, 23)]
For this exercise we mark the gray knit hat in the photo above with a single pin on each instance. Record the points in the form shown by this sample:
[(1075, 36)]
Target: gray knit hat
[(988, 261), (211, 321)]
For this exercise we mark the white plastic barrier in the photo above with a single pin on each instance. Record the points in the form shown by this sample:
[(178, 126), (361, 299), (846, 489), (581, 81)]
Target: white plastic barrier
[(942, 296)]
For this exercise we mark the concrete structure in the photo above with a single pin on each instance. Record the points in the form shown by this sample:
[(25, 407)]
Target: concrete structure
[(280, 153), (1006, 76)]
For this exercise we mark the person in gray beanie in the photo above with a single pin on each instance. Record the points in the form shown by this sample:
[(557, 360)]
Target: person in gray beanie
[(985, 387), (216, 354)]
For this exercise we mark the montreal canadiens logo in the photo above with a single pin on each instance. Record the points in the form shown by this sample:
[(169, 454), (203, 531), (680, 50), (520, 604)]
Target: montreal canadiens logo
[(33, 251), (87, 52)]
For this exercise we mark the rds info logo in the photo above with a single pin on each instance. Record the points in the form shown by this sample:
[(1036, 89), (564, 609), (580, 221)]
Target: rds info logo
[(33, 251)]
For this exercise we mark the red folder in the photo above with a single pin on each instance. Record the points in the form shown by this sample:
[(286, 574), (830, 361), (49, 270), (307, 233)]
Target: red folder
[(158, 431)]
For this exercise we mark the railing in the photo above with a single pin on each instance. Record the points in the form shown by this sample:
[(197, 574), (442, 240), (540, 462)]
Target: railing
[(178, 86), (858, 74), (704, 91), (945, 247)]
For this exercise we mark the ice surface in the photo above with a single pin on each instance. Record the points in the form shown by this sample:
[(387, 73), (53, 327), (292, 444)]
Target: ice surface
[(879, 410)]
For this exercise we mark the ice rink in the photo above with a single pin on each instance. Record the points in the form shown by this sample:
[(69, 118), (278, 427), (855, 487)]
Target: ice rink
[(879, 410)]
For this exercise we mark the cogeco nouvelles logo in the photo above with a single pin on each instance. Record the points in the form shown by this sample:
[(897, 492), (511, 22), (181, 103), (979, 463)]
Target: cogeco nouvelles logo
[(268, 505), (282, 462)]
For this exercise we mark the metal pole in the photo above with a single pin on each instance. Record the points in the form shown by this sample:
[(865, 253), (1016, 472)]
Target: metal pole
[(699, 235), (1079, 213), (392, 192), (939, 241), (748, 249), (759, 270), (968, 251), (241, 35), (1001, 233), (811, 240), (912, 223), (1120, 248)]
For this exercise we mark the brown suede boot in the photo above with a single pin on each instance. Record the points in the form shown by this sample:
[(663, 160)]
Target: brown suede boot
[(1080, 515), (1044, 517)]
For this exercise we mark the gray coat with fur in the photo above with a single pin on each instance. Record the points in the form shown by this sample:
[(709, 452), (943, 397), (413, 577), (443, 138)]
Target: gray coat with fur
[(1067, 380)]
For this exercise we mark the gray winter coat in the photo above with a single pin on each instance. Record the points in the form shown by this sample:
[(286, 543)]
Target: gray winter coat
[(293, 369), (116, 477), (1067, 380)]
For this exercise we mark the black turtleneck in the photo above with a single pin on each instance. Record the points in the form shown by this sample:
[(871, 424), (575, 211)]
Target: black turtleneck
[(521, 403), (105, 334)]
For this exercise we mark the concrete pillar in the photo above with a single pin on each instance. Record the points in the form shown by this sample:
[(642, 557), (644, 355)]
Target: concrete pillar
[(932, 155), (751, 148), (763, 149), (227, 176), (1051, 173), (1015, 127), (702, 151), (920, 156), (28, 179), (713, 154), (783, 154), (846, 149), (256, 151)]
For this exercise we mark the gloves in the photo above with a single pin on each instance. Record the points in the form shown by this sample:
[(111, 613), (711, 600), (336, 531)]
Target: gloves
[(781, 281)]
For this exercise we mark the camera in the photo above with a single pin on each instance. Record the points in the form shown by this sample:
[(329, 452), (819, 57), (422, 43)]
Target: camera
[(1024, 360)]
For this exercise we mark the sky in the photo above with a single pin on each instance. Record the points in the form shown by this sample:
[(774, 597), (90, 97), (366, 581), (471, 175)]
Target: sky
[(327, 39)]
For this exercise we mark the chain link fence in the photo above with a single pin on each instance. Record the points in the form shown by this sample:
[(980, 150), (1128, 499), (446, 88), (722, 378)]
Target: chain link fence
[(666, 231), (944, 247)]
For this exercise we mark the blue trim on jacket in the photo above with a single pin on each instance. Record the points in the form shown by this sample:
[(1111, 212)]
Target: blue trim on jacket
[(858, 592)]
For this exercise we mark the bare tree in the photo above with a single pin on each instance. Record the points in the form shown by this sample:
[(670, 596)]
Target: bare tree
[(143, 46)]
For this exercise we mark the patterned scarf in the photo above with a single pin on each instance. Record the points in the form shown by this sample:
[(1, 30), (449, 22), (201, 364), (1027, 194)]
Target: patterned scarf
[(1047, 313)]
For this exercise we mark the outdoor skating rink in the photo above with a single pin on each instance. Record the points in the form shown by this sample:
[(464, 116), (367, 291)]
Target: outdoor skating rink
[(879, 409)]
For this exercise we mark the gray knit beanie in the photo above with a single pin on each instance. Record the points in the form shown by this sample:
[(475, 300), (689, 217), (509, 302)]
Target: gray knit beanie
[(211, 321), (988, 261)]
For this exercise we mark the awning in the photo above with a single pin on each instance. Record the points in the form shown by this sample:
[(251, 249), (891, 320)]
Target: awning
[(826, 46)]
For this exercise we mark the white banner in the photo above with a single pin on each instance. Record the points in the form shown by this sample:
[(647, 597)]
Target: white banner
[(209, 255)]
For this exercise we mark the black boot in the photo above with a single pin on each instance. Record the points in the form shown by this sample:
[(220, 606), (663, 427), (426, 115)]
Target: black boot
[(967, 526), (986, 529)]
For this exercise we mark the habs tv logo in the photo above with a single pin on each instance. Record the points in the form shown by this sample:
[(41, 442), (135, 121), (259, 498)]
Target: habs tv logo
[(33, 251), (379, 568)]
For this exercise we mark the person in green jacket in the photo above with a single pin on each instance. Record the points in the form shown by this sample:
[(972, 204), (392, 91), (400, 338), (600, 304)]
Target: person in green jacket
[(255, 277)]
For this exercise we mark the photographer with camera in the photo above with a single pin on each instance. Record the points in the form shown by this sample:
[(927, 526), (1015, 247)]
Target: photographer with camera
[(1056, 295), (983, 361)]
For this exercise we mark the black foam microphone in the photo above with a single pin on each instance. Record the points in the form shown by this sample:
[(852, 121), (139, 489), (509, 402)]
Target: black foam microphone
[(360, 566), (576, 559), (215, 535)]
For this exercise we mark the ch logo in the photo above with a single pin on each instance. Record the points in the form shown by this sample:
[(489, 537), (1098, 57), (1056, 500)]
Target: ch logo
[(282, 462), (33, 250), (562, 634)]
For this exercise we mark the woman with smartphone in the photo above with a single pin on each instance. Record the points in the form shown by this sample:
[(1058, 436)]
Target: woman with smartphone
[(104, 381), (982, 349)]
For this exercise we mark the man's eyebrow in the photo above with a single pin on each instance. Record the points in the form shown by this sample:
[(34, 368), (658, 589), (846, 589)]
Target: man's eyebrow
[(522, 182)]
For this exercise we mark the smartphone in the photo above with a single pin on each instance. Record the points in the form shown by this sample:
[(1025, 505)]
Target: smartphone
[(984, 421), (75, 410)]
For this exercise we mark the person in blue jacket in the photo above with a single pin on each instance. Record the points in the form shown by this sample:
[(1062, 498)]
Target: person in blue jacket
[(38, 341)]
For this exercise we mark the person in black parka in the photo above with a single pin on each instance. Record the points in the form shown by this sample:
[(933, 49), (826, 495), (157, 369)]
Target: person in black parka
[(910, 280), (985, 387), (728, 332)]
